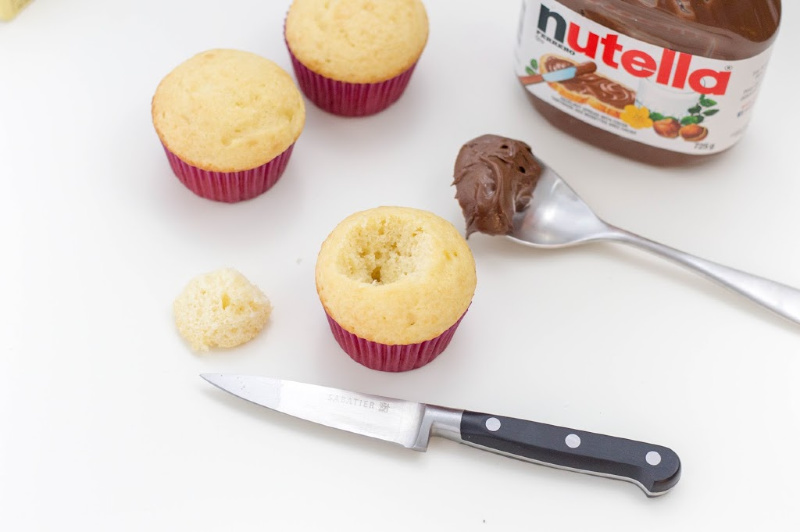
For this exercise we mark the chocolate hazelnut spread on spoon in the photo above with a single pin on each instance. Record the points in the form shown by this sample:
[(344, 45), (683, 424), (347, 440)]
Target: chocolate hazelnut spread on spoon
[(504, 190), (494, 178)]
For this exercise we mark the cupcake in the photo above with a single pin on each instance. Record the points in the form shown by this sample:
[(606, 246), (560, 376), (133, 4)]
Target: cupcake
[(11, 8), (355, 57), (395, 283), (228, 121)]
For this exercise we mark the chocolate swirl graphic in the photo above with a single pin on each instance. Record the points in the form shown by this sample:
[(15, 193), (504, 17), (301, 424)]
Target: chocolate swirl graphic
[(592, 85)]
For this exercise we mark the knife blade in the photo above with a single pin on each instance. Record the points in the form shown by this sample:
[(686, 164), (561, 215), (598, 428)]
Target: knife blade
[(562, 74), (654, 468)]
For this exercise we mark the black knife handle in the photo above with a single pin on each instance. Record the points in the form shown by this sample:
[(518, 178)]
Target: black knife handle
[(656, 469)]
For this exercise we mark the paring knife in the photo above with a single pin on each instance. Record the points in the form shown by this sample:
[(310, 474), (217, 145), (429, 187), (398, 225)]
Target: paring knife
[(562, 74), (653, 468)]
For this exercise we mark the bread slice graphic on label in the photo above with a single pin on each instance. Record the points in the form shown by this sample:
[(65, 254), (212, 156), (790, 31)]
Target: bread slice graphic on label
[(592, 89)]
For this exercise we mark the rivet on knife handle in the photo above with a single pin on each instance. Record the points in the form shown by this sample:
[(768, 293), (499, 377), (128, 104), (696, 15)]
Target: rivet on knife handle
[(654, 468)]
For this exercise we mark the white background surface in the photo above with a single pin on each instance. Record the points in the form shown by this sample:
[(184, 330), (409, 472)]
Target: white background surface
[(105, 424)]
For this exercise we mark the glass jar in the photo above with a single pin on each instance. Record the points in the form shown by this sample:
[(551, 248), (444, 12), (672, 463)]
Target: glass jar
[(666, 82)]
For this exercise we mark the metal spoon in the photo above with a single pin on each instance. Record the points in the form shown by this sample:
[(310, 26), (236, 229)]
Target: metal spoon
[(557, 217)]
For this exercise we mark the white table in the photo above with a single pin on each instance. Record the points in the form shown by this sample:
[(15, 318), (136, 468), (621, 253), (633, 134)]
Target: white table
[(105, 424)]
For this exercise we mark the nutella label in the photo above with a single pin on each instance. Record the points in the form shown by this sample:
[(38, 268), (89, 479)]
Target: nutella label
[(657, 96)]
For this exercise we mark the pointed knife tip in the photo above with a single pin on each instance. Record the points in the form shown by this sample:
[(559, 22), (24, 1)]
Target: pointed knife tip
[(212, 378)]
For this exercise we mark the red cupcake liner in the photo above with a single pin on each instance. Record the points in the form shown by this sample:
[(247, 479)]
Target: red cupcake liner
[(230, 187), (349, 99), (396, 358)]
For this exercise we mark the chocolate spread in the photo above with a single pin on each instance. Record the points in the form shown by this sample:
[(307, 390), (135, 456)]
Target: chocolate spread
[(736, 34), (494, 178), (719, 29), (598, 87)]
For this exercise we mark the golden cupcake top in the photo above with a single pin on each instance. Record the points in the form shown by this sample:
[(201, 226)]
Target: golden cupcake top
[(395, 275), (228, 110), (357, 41)]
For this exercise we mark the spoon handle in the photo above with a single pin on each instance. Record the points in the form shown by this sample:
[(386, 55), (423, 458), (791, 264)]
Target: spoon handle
[(779, 298)]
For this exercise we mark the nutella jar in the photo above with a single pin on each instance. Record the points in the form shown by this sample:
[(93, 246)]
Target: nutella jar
[(666, 82)]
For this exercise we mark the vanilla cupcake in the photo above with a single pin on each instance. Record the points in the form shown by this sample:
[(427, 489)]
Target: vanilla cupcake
[(395, 283), (228, 121), (355, 57)]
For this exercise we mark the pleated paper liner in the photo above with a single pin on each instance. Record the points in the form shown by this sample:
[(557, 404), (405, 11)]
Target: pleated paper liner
[(349, 99), (392, 358), (230, 187)]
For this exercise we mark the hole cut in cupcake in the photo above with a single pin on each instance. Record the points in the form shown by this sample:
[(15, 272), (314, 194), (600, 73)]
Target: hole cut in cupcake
[(385, 252)]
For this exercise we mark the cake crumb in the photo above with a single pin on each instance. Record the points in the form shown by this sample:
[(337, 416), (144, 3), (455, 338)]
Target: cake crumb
[(220, 309)]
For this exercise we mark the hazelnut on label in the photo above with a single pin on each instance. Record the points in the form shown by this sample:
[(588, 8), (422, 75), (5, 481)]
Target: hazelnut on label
[(667, 127), (693, 132)]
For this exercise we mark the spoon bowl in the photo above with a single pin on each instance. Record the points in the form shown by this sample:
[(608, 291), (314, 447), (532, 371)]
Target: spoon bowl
[(557, 217)]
